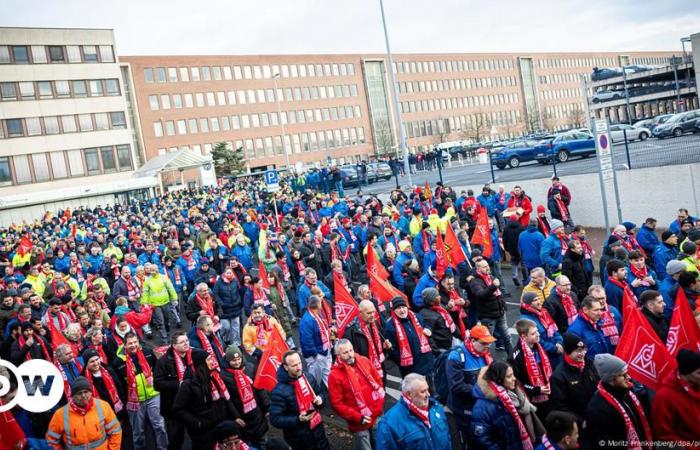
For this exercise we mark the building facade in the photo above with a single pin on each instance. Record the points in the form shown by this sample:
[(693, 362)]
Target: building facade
[(337, 108), (66, 138)]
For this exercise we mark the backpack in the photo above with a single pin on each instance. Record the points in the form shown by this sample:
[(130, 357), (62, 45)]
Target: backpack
[(442, 387)]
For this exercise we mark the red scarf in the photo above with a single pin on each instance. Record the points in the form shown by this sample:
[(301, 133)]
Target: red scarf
[(640, 274), (285, 269), (404, 345), (356, 381), (563, 241), (486, 354), (42, 344), (543, 316), (132, 289), (62, 322), (567, 302), (101, 352), (180, 365), (263, 329), (218, 388), (205, 304), (374, 340), (538, 377), (502, 198), (228, 279), (300, 266), (445, 316), (423, 414), (132, 397), (244, 385), (587, 249), (562, 209), (609, 327), (191, 262), (633, 441), (489, 282), (461, 313), (547, 444), (109, 384), (59, 366), (176, 274), (323, 329), (426, 241), (116, 272), (81, 410), (206, 345), (570, 361), (624, 240), (260, 296), (510, 407), (543, 226), (305, 400)]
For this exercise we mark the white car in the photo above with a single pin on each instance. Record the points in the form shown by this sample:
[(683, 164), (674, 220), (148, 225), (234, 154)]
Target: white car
[(617, 133)]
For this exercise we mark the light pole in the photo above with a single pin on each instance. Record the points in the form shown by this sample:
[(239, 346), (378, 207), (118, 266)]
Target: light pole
[(395, 96), (279, 117)]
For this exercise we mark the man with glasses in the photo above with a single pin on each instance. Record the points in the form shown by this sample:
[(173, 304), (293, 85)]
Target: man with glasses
[(588, 326), (615, 414), (562, 304)]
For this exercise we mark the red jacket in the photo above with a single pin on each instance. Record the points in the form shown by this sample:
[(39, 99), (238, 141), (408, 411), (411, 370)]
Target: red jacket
[(525, 204), (343, 401), (675, 412)]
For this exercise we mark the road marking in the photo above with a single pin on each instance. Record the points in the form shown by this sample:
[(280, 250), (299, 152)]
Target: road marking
[(393, 378), (513, 303), (393, 393)]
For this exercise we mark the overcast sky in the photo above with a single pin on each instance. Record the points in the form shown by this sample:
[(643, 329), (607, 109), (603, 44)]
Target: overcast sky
[(159, 27)]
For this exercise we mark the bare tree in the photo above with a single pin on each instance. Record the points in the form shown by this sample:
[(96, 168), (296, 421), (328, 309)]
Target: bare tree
[(549, 121), (384, 138), (443, 131), (576, 118), (512, 129), (532, 119), (478, 127)]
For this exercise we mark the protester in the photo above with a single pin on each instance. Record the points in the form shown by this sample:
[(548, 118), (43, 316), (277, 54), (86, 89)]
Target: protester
[(315, 337), (410, 347), (588, 327), (490, 305), (653, 310), (562, 432)]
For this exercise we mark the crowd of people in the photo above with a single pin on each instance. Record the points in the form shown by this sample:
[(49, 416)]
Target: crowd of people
[(161, 316)]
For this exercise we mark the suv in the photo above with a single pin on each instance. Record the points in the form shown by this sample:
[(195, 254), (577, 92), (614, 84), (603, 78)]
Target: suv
[(566, 145), (604, 96), (378, 171), (678, 124), (514, 154), (618, 132)]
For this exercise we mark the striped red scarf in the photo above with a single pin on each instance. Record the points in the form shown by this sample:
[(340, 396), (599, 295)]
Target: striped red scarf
[(539, 377), (404, 345), (109, 384), (374, 341), (633, 440), (206, 345)]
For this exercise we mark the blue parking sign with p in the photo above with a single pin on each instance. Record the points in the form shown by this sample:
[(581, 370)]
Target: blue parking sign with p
[(271, 177)]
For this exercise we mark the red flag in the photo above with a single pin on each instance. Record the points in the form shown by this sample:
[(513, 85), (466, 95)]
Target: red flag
[(374, 265), (11, 434), (271, 359), (629, 303), (482, 234), (25, 245), (262, 273), (383, 290), (73, 230), (648, 360), (454, 250), (345, 306), (57, 337), (441, 260), (683, 332), (427, 192)]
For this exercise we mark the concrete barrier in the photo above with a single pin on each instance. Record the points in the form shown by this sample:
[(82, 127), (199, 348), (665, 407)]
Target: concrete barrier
[(653, 192)]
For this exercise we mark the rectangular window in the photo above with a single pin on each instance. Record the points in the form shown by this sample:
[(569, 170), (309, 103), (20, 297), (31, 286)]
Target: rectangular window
[(225, 123), (4, 54), (45, 90), (20, 54), (193, 126), (8, 91), (245, 121), (90, 53), (204, 125), (216, 72), (158, 129), (26, 90), (181, 127), (62, 88), (92, 161), (56, 54), (33, 126), (153, 102), (85, 121), (148, 74), (221, 98), (118, 119), (177, 101), (41, 167), (75, 163), (172, 74), (124, 157), (51, 125), (305, 142), (170, 128), (206, 73), (255, 120), (297, 145), (5, 174), (58, 165), (112, 85), (227, 73), (95, 88), (79, 88), (269, 150), (23, 174), (210, 99), (195, 73), (106, 54), (73, 52), (184, 74), (109, 162), (188, 101), (165, 101), (160, 74), (236, 122), (199, 98), (215, 124), (68, 124), (14, 127), (38, 54)]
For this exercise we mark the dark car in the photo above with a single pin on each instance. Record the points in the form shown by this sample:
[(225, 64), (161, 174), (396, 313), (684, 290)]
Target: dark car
[(513, 154), (350, 177), (378, 171), (605, 73), (565, 145), (678, 124)]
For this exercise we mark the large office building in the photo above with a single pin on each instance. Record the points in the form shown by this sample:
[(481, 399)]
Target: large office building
[(66, 134), (338, 107)]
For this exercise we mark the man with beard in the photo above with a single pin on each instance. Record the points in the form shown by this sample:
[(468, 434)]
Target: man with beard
[(28, 345)]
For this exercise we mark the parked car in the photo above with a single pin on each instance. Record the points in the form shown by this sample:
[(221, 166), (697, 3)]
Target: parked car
[(513, 154), (645, 123), (617, 133), (677, 125), (605, 96), (350, 176), (378, 171), (566, 145)]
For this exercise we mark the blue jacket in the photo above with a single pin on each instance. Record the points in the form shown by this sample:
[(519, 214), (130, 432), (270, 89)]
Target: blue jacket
[(675, 226), (244, 255), (614, 294), (548, 343), (428, 260), (489, 203), (425, 282), (153, 258), (400, 429), (95, 262), (228, 296), (550, 253), (422, 362), (529, 244), (596, 342), (310, 336), (497, 255), (182, 265), (492, 426), (668, 290), (662, 255), (252, 231), (304, 292), (639, 289), (648, 239), (462, 370), (171, 275), (61, 264), (418, 244), (397, 274)]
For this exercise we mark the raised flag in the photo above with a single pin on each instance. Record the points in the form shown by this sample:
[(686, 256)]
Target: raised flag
[(629, 303), (262, 273), (441, 260), (648, 360), (374, 265), (383, 290), (271, 359), (427, 192), (482, 234), (684, 331), (57, 337), (11, 434), (454, 250), (25, 245), (345, 306)]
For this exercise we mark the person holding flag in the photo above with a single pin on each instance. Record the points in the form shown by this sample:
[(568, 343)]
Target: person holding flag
[(410, 346), (256, 332)]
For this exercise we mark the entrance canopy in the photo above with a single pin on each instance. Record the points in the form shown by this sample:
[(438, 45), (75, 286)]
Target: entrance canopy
[(180, 160)]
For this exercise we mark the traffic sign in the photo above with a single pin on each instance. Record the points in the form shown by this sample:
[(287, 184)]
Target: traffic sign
[(272, 180)]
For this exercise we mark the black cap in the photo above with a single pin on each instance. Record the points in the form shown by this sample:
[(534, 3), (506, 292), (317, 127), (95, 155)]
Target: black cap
[(89, 353), (666, 234), (397, 302), (572, 342), (80, 384)]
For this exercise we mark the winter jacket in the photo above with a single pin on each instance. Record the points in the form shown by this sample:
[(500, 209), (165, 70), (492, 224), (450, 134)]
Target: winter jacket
[(550, 254), (166, 381), (660, 324), (310, 337), (488, 304), (549, 343), (605, 423), (360, 343), (99, 429), (189, 271), (520, 370), (400, 429), (158, 291), (614, 294), (441, 339), (284, 414), (227, 296), (397, 273), (304, 292), (256, 424), (572, 389), (661, 256), (675, 412), (426, 281), (668, 289), (153, 258), (145, 391), (523, 201), (542, 293), (554, 209), (195, 342), (343, 400), (422, 362), (488, 202), (244, 255), (529, 244), (596, 342), (647, 239), (511, 236), (573, 266), (202, 276), (555, 308), (249, 336), (462, 370)]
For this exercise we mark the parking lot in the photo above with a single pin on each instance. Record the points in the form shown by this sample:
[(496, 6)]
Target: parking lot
[(649, 153)]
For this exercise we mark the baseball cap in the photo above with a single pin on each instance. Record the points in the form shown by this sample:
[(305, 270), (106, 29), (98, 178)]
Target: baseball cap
[(481, 333)]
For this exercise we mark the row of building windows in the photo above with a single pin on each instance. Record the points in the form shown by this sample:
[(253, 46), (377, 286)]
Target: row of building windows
[(559, 63), (560, 93), (72, 123), (250, 96), (223, 123), (218, 73), (44, 90), (452, 66), (421, 128), (571, 110), (457, 102), (56, 54), (41, 167), (650, 60), (563, 78), (408, 87)]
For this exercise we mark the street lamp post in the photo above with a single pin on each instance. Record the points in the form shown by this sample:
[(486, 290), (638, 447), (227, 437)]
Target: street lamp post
[(395, 96), (279, 117)]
